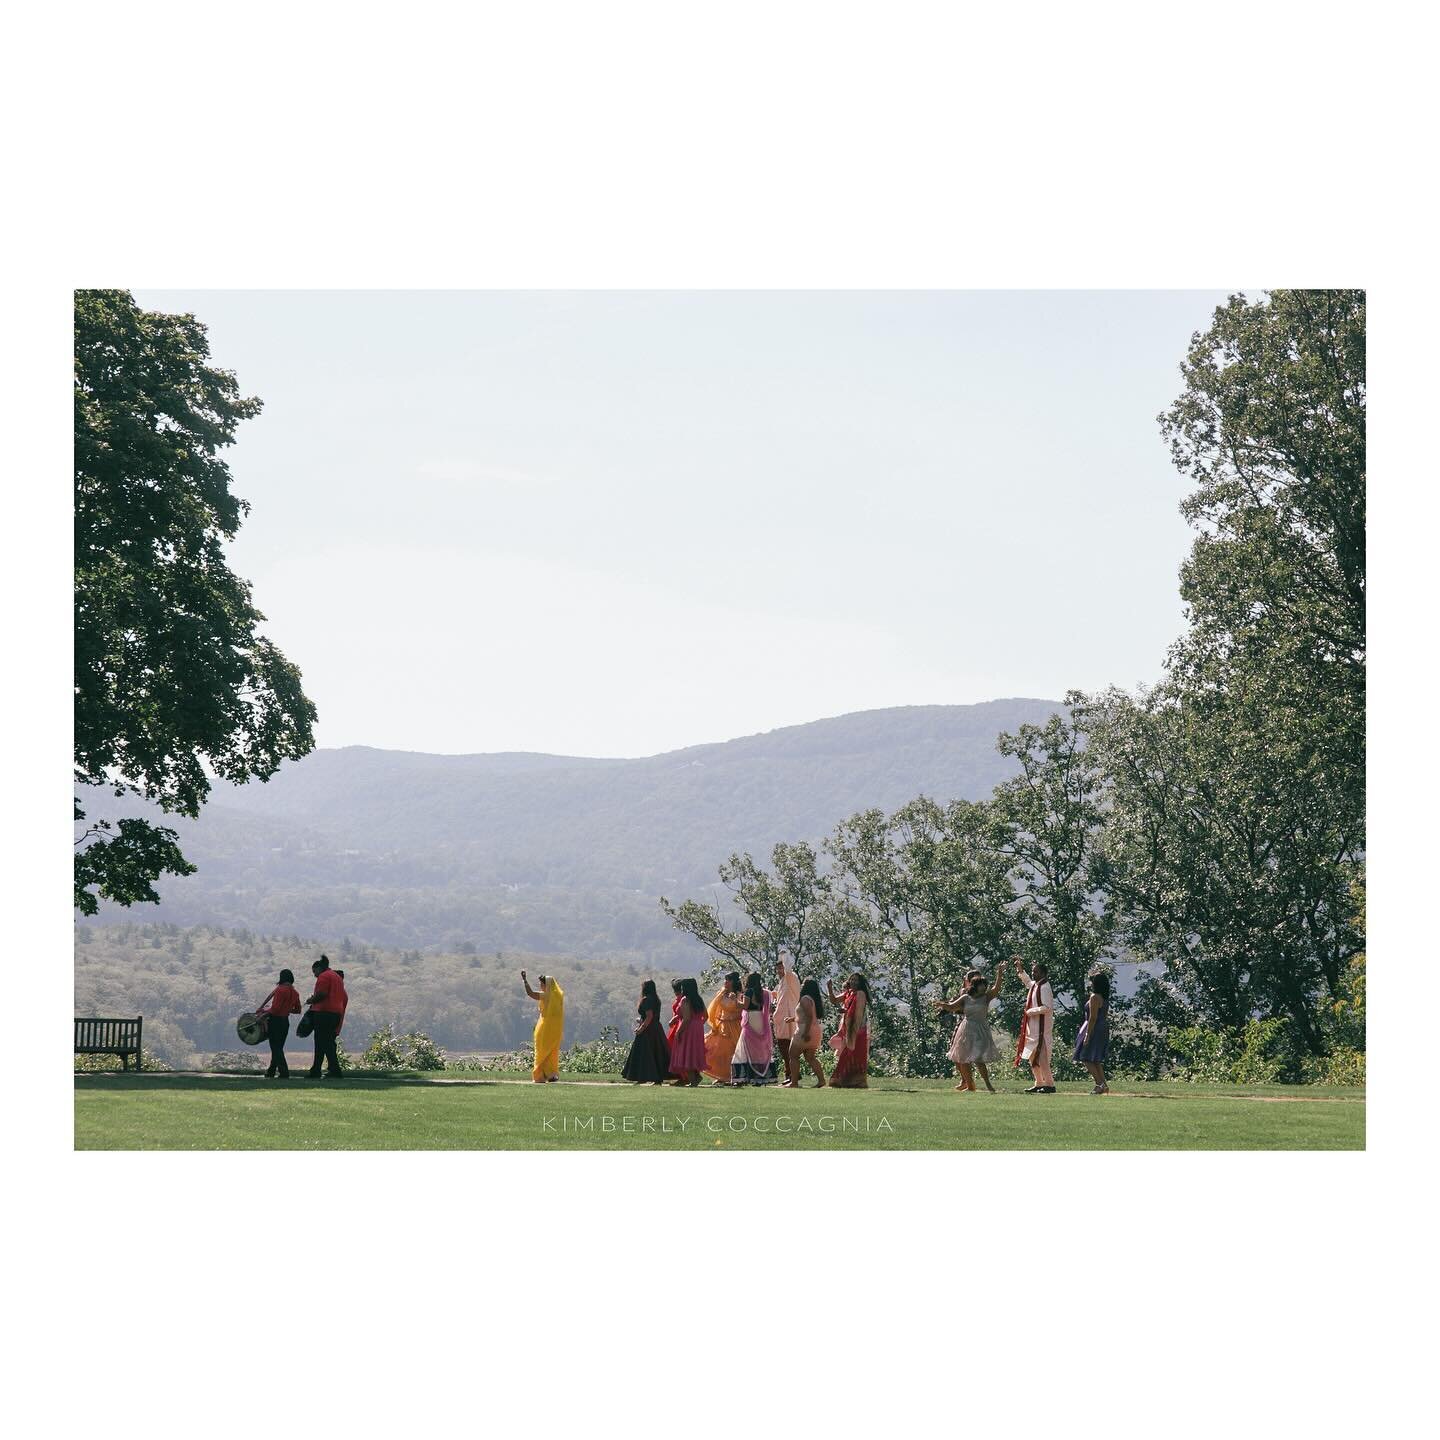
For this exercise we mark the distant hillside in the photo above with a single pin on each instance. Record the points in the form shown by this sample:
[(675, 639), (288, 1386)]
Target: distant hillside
[(190, 984), (545, 853)]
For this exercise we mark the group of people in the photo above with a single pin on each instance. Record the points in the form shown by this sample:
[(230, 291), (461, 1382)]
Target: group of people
[(751, 1035), (325, 1017), (748, 1034), (973, 1047)]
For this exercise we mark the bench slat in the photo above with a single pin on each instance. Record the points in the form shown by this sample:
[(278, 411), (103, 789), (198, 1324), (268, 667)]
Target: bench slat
[(108, 1035)]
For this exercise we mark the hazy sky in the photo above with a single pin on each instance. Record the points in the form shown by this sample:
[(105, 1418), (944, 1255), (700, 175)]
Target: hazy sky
[(618, 523)]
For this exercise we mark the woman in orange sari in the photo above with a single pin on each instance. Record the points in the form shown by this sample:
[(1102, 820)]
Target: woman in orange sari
[(851, 1042), (725, 1016)]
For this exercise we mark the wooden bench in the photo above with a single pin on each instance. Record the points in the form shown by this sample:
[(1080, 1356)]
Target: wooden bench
[(109, 1037)]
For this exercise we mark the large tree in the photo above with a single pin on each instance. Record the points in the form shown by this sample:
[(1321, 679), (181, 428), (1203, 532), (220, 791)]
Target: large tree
[(935, 887), (173, 682), (1051, 816), (768, 911), (1271, 428), (1237, 808), (1228, 863)]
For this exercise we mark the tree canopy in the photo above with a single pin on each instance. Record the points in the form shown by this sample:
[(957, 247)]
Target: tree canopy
[(1211, 829), (173, 682)]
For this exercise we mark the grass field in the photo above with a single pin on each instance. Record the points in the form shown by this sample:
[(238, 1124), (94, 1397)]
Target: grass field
[(212, 1112)]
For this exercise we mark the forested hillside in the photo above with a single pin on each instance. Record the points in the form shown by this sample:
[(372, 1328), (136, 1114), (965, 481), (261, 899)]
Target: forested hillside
[(549, 854), (190, 984)]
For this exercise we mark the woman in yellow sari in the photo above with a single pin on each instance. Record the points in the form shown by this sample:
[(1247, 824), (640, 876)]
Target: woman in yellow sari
[(725, 1016), (549, 1028)]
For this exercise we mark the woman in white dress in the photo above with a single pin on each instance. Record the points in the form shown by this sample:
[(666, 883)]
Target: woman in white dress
[(1037, 1033), (973, 1047)]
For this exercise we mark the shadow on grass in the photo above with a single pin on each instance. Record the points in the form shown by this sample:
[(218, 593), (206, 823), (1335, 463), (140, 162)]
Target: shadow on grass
[(182, 1080), (172, 1080)]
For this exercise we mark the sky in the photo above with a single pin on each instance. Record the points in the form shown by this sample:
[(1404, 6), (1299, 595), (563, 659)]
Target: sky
[(618, 523)]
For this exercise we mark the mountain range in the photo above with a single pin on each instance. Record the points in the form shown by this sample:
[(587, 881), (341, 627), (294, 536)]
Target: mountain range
[(547, 853)]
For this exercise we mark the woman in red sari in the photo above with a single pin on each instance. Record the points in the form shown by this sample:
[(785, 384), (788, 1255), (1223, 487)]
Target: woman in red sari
[(676, 986), (687, 1050), (851, 1042)]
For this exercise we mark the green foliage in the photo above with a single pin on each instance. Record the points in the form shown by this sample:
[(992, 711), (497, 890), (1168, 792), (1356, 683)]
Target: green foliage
[(1339, 1067), (916, 898), (1259, 1054), (122, 865), (384, 1051), (191, 984), (1236, 820), (237, 1062), (99, 1064), (930, 888), (605, 1055), (172, 681), (781, 907), (1271, 428), (1225, 862), (1051, 819), (423, 1052), (508, 1062), (413, 1051)]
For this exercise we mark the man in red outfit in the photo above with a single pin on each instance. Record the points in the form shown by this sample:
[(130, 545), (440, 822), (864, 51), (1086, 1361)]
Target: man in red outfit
[(327, 1005)]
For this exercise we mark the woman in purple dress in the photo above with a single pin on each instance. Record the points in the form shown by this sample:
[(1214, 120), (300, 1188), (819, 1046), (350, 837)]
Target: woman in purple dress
[(1092, 1044)]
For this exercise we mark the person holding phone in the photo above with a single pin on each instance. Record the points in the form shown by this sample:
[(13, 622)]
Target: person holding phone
[(549, 1027)]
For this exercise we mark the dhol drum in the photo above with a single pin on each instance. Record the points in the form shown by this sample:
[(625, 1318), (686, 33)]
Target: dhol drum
[(251, 1028)]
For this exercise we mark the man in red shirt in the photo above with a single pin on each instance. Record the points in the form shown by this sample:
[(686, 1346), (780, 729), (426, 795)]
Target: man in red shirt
[(327, 1005)]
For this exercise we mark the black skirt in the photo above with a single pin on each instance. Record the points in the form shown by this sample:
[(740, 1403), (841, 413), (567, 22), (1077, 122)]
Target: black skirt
[(649, 1058)]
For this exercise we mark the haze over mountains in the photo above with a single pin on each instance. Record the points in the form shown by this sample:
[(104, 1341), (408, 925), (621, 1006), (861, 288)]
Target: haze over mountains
[(545, 853)]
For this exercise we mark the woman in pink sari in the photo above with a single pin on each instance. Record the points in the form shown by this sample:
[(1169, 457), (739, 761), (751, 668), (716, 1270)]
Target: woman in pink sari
[(753, 1062)]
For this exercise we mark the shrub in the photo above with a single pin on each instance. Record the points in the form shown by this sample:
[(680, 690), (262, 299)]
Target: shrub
[(424, 1053), (1341, 1067), (413, 1051), (96, 1064), (235, 1062), (605, 1056), (1261, 1054), (1139, 1048), (490, 1064), (384, 1051)]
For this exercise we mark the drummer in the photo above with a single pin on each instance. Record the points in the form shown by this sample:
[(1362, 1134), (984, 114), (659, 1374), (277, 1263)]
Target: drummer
[(279, 1005)]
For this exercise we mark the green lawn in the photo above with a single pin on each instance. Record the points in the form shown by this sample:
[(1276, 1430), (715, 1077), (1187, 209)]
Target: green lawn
[(203, 1112)]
